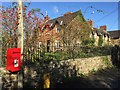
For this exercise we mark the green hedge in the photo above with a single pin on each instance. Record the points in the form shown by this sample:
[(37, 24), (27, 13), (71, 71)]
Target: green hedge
[(81, 52)]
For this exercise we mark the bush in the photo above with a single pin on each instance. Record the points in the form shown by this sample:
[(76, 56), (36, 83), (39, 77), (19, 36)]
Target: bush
[(100, 42), (55, 56), (106, 61), (88, 42), (80, 52), (52, 56)]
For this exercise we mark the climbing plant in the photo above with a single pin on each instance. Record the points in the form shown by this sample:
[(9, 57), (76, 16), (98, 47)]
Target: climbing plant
[(100, 41)]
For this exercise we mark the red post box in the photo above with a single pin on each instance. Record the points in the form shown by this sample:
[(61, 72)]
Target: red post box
[(13, 62)]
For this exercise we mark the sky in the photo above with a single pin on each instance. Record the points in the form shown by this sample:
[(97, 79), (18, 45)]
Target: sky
[(102, 13)]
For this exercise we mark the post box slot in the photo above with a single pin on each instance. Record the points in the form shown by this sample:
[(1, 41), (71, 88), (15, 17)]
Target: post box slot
[(16, 52)]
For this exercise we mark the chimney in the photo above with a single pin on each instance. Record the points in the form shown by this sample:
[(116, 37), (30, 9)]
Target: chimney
[(103, 28), (90, 23), (67, 13), (46, 18)]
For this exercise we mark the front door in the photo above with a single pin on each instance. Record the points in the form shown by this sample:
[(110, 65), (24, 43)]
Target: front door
[(48, 45)]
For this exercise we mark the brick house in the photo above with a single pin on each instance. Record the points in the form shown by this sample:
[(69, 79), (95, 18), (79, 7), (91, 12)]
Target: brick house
[(98, 33), (50, 33)]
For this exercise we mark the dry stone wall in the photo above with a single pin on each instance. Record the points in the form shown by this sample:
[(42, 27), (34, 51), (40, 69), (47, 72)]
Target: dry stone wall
[(33, 73), (70, 67), (86, 65), (59, 70)]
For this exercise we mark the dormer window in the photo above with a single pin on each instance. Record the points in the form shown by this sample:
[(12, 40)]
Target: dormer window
[(61, 22)]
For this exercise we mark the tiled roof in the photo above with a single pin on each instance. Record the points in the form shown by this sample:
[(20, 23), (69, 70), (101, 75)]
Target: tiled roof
[(65, 19), (114, 34), (100, 32)]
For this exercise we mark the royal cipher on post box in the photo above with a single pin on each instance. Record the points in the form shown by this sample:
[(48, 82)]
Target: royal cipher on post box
[(13, 62)]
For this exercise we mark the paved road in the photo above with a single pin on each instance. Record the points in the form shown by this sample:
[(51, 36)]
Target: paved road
[(108, 78)]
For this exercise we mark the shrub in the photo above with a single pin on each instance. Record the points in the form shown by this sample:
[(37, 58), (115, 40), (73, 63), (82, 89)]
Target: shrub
[(80, 52), (88, 42), (106, 61), (52, 56), (100, 42)]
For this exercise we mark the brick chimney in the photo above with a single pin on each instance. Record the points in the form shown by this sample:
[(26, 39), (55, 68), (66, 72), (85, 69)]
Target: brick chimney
[(46, 18), (103, 28), (90, 23), (67, 13)]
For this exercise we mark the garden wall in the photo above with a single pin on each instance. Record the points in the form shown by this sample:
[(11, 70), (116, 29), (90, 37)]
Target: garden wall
[(92, 64), (58, 70), (70, 67)]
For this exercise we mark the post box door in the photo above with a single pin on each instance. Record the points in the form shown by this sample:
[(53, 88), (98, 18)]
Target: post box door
[(13, 59)]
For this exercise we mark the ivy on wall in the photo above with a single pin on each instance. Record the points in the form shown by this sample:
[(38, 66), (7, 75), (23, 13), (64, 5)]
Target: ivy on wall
[(100, 41)]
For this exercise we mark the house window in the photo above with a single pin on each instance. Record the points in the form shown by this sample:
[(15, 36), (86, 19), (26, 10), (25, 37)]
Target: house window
[(58, 29), (40, 33), (95, 36), (47, 33), (40, 44), (57, 44)]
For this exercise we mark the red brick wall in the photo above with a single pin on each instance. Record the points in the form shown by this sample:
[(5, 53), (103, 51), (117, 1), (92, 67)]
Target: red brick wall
[(103, 27), (90, 23), (52, 35)]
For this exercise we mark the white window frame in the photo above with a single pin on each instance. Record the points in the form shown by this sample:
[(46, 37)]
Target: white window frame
[(57, 44)]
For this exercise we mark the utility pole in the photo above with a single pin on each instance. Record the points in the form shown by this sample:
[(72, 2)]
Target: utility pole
[(1, 37), (20, 41)]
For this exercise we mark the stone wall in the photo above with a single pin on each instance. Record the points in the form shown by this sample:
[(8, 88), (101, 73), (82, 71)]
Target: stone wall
[(86, 65), (58, 70), (78, 66)]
